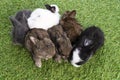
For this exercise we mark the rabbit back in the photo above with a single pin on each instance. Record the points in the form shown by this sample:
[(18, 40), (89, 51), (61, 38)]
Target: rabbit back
[(60, 39), (40, 17)]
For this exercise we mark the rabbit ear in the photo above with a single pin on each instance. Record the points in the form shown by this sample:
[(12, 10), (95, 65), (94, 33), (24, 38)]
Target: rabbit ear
[(24, 19), (48, 6), (19, 15), (14, 21), (72, 14), (34, 40)]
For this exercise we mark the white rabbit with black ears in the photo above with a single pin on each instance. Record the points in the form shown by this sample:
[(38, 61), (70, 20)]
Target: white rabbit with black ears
[(44, 18), (90, 40)]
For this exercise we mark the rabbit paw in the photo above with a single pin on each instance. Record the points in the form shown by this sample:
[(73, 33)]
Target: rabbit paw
[(38, 64), (58, 59)]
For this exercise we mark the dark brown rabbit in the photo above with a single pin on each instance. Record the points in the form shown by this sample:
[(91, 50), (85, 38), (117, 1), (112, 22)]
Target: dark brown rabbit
[(70, 25), (61, 41), (38, 42)]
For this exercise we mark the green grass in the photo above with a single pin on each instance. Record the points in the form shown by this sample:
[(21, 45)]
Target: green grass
[(16, 63)]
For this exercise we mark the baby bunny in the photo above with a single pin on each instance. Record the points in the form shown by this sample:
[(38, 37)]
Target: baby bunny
[(44, 18), (61, 41), (38, 42), (20, 27), (70, 25), (89, 41)]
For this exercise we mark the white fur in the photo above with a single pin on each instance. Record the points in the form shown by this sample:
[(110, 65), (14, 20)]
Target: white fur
[(76, 58), (87, 42), (43, 18)]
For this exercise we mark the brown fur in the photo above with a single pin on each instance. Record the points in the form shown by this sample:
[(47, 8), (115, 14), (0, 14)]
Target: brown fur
[(70, 25), (38, 42), (61, 41)]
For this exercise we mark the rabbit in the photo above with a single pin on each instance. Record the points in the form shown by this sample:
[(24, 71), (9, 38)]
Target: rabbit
[(39, 44), (61, 41), (90, 40), (70, 25), (20, 26), (44, 18)]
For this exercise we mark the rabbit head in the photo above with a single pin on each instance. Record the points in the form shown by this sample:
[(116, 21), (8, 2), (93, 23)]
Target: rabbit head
[(53, 8), (89, 41), (70, 25), (38, 42)]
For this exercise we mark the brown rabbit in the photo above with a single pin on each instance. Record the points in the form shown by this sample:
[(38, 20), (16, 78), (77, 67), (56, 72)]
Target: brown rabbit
[(38, 42), (70, 25), (61, 41)]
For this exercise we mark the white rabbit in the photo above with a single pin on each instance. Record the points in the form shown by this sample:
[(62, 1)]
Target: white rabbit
[(44, 18)]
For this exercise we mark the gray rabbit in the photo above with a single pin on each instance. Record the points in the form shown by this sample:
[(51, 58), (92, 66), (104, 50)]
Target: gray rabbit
[(38, 42), (61, 41), (20, 26)]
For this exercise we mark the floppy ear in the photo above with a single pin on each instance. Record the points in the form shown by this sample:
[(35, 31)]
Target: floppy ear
[(72, 14), (33, 40)]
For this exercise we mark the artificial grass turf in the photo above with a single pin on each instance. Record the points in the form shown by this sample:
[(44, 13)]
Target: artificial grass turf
[(16, 63)]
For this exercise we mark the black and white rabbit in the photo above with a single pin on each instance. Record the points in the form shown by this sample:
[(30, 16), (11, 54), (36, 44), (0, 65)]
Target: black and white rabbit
[(20, 26), (88, 42)]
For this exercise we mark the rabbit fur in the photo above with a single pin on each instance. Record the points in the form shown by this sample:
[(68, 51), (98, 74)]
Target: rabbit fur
[(20, 26), (90, 40), (38, 42), (61, 41), (70, 25), (44, 18)]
